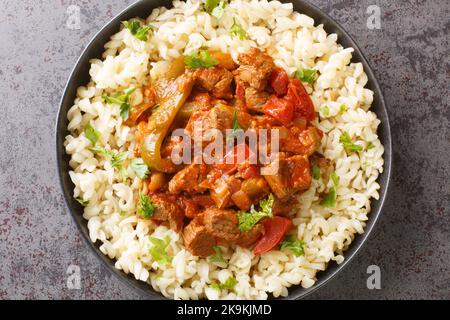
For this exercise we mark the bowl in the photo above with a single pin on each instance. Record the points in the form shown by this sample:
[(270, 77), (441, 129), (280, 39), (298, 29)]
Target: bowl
[(80, 76)]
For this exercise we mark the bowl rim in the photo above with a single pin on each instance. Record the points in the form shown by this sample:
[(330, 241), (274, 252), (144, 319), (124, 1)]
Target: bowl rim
[(323, 277)]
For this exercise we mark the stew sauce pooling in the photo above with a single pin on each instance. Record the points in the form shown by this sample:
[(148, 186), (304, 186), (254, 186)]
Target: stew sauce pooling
[(227, 202)]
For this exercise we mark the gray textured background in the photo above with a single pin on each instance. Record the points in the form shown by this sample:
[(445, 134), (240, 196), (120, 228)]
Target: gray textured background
[(411, 242)]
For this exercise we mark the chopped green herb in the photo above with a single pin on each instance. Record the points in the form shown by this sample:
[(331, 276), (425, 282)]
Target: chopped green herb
[(123, 213), (215, 8), (237, 30), (217, 256), (121, 99), (136, 30), (116, 159), (342, 108), (329, 200), (158, 250), (83, 202), (92, 134), (219, 11), (140, 168), (335, 179), (348, 144), (316, 172), (229, 284), (146, 209), (370, 146), (325, 110), (200, 59), (291, 243), (247, 220), (306, 75)]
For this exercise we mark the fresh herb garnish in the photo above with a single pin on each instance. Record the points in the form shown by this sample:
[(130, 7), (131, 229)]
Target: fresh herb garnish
[(237, 30), (158, 250), (291, 243), (229, 284), (325, 110), (140, 168), (215, 8), (121, 99), (342, 108), (348, 144), (116, 159), (370, 146), (306, 75), (92, 134), (146, 209), (247, 220), (200, 59), (316, 172), (83, 202), (217, 256), (136, 30), (329, 201)]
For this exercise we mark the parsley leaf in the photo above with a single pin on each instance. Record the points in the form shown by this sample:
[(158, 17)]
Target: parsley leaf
[(370, 146), (92, 134), (329, 201), (237, 30), (236, 125), (348, 144), (146, 209), (215, 8), (121, 99), (136, 30), (316, 172), (217, 256), (247, 220), (229, 284), (306, 75), (200, 59), (158, 250), (219, 11), (116, 159), (342, 108), (291, 243), (325, 110), (140, 168), (83, 202)]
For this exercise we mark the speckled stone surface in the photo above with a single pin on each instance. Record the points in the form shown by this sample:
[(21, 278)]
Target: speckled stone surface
[(411, 242)]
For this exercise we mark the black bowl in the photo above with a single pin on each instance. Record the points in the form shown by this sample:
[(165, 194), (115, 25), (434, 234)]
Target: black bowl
[(80, 76)]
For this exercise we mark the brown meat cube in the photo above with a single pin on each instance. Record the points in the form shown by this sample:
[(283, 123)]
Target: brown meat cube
[(247, 239), (188, 179), (293, 175), (198, 240), (220, 117), (304, 142), (167, 211), (255, 100), (223, 224), (215, 80), (255, 68)]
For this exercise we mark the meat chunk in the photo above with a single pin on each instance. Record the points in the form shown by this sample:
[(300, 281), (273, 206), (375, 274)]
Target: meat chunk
[(188, 179), (304, 142), (167, 211), (222, 224), (194, 205), (215, 80), (220, 117), (255, 100), (293, 174), (198, 240), (247, 239), (255, 68)]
